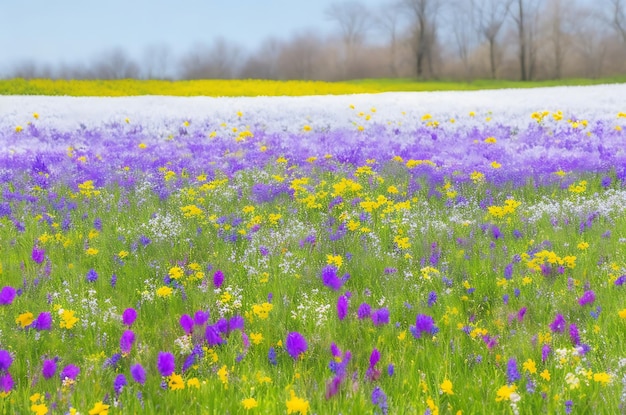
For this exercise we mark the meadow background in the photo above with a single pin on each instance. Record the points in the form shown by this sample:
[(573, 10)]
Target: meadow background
[(397, 252)]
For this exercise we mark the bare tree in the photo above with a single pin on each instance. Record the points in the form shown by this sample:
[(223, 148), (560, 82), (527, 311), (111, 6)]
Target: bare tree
[(424, 31), (353, 20), (591, 42), (114, 64), (302, 57), (156, 63), (264, 63), (388, 19), (559, 23), (218, 61), (463, 22), (618, 8), (526, 15), (491, 16)]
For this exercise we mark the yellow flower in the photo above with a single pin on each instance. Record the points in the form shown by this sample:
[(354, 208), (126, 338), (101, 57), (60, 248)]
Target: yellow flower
[(545, 375), (602, 378), (257, 338), (335, 260), (68, 320), (446, 387), (122, 254), (530, 366), (249, 403), (490, 140), (164, 291), (18, 129), (223, 375), (176, 382), (295, 404), (175, 273), (91, 251), (495, 165), (583, 245), (35, 115), (25, 319), (39, 409), (622, 313), (193, 382), (142, 146), (504, 393), (305, 128), (99, 409)]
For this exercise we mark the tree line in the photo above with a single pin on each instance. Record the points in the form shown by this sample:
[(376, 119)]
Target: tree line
[(423, 39)]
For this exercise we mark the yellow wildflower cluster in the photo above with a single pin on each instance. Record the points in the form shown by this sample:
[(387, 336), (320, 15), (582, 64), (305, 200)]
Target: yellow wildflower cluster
[(548, 257), (509, 207)]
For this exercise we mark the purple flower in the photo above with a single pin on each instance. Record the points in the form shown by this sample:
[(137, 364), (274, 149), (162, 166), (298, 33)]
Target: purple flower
[(558, 324), (334, 350), (364, 311), (521, 313), (186, 322), (138, 373), (236, 323), (620, 281), (271, 356), (5, 360), (38, 254), (43, 321), (512, 373), (374, 357), (342, 307), (69, 372), (423, 324), (330, 278), (574, 335), (568, 407), (49, 368), (166, 363), (129, 316), (295, 344), (380, 316), (7, 295), (92, 275), (119, 383), (218, 279), (212, 336), (6, 383), (200, 317), (126, 341), (545, 352), (333, 387), (587, 298), (432, 298), (390, 369)]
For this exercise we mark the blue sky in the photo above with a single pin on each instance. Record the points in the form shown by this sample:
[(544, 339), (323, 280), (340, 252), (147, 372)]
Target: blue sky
[(75, 31)]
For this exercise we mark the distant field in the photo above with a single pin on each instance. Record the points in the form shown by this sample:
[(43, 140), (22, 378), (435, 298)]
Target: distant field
[(234, 88)]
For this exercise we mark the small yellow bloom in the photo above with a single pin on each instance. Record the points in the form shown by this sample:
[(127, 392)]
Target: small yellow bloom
[(249, 403), (39, 409), (504, 393), (122, 254), (446, 387), (603, 378), (583, 245), (545, 375), (495, 165), (622, 313), (175, 273), (193, 382), (25, 319), (530, 366), (257, 338), (176, 382), (296, 405), (164, 291), (19, 129), (142, 146), (92, 251), (68, 320), (99, 409)]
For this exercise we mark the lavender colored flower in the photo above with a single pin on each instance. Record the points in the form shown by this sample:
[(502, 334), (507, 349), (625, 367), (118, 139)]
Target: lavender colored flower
[(390, 369), (49, 368), (38, 254), (218, 278), (334, 350), (112, 361), (380, 399), (186, 322), (508, 271), (166, 363), (521, 313), (113, 280), (620, 281), (69, 372), (342, 307), (119, 383), (568, 407), (512, 374), (138, 373), (380, 316), (126, 341), (364, 311), (423, 324), (5, 360), (236, 323), (330, 278), (43, 321), (6, 383), (374, 357), (587, 298), (295, 344), (129, 316), (7, 295), (333, 387), (212, 336), (271, 356), (432, 298), (92, 275), (574, 334), (545, 352), (200, 317), (558, 325)]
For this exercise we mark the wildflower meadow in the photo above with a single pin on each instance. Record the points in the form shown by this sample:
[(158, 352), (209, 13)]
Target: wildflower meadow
[(399, 253)]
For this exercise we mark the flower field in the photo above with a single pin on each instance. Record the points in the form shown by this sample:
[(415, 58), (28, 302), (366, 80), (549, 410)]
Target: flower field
[(409, 253)]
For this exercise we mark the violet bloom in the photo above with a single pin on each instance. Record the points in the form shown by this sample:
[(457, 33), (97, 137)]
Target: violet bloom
[(330, 278), (333, 387), (38, 254), (166, 363), (92, 275), (365, 310), (295, 344), (119, 383), (521, 313), (7, 295), (512, 373), (374, 357), (5, 360), (43, 321), (271, 356), (574, 335), (558, 325), (138, 373), (200, 317), (6, 383), (212, 336), (545, 352), (236, 323), (218, 279), (380, 316), (587, 298), (69, 372), (186, 322), (342, 307), (620, 281), (126, 341), (49, 368), (423, 324), (129, 316)]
